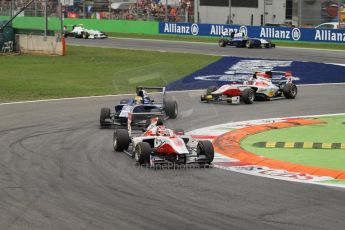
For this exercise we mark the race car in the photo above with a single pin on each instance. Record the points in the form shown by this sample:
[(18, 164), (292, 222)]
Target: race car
[(240, 40), (160, 145), (142, 107), (266, 85), (79, 31)]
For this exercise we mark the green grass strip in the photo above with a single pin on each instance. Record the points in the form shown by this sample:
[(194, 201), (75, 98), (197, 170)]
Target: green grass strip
[(87, 71), (333, 131), (340, 182)]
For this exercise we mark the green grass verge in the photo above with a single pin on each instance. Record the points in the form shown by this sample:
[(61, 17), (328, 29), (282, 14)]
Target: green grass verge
[(315, 45), (333, 131), (340, 182), (92, 71)]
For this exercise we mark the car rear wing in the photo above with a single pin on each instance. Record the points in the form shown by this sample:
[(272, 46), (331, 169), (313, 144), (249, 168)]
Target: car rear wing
[(274, 73), (157, 88), (131, 117)]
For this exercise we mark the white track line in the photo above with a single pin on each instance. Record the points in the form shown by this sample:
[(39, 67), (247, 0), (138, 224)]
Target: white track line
[(129, 94), (216, 44), (87, 97)]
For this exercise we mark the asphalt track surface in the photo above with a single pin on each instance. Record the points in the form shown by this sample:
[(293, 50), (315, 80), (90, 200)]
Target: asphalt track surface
[(58, 171), (283, 53)]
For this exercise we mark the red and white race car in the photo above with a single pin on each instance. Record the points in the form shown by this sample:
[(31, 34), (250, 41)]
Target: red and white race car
[(267, 85), (161, 145)]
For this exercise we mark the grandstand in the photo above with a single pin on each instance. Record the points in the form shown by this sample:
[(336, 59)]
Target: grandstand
[(148, 10)]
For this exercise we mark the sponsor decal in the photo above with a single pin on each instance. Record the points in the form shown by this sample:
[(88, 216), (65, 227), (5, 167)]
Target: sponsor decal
[(329, 35), (274, 33), (244, 30), (245, 68), (277, 33), (296, 34), (177, 29), (218, 30), (274, 173), (195, 29), (236, 70)]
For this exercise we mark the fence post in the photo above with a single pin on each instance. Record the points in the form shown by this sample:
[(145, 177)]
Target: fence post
[(109, 9), (230, 21), (45, 19), (35, 7), (166, 10), (11, 8), (339, 11)]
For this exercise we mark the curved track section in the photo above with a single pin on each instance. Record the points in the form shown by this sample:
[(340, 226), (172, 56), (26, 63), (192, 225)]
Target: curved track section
[(58, 171)]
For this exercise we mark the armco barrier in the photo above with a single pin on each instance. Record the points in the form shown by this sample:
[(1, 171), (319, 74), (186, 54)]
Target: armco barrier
[(120, 26), (275, 33)]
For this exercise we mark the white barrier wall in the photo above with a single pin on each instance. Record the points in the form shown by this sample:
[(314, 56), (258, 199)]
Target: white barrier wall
[(38, 44), (275, 13)]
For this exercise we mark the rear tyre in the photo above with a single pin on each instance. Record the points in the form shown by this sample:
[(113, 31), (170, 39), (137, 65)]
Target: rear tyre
[(248, 96), (120, 140), (171, 109), (205, 148), (290, 90), (142, 153), (105, 114)]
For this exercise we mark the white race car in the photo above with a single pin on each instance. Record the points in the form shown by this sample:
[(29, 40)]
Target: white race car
[(79, 31), (160, 145), (262, 85)]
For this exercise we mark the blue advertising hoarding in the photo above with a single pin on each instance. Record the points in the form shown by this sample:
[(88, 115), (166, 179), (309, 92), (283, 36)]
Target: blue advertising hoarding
[(275, 33)]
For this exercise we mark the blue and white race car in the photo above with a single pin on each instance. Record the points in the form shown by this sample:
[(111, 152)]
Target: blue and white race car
[(240, 40), (141, 108)]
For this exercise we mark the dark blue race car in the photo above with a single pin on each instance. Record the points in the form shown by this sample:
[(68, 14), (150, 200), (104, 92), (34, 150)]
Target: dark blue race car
[(141, 108), (240, 40)]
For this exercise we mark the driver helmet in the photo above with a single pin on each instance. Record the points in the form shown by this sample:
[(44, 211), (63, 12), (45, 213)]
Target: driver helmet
[(141, 93), (268, 74), (138, 100), (161, 130)]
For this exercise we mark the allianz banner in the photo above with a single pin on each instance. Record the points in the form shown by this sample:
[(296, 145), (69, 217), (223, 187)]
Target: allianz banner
[(276, 33)]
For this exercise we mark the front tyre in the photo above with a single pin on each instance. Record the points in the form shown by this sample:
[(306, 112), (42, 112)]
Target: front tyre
[(248, 96), (249, 44), (142, 153), (221, 42), (290, 90), (120, 140), (211, 89), (85, 35), (205, 148)]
